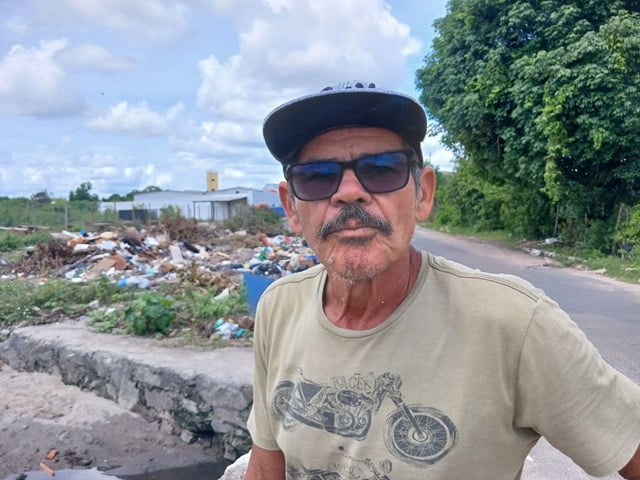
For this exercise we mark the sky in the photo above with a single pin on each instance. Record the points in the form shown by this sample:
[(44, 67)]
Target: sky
[(127, 94)]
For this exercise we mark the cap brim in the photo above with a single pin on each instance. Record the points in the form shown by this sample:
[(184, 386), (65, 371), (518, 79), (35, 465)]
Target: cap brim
[(287, 128)]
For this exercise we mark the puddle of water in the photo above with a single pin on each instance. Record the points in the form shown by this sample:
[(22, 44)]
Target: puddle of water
[(203, 471)]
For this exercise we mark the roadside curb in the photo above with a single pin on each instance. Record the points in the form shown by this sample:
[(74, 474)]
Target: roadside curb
[(193, 393)]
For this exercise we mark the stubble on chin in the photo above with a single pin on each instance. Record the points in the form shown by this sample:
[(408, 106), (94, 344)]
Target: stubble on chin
[(352, 267)]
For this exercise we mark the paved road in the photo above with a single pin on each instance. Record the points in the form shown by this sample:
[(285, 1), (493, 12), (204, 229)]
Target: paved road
[(607, 311)]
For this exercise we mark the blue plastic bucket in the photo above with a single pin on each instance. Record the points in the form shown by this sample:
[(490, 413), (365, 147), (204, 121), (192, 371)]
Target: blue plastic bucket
[(255, 285)]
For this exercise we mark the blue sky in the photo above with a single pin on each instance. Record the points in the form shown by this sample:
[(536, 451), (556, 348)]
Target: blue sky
[(131, 93)]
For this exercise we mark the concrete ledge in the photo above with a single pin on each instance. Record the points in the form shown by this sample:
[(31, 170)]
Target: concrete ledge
[(194, 393)]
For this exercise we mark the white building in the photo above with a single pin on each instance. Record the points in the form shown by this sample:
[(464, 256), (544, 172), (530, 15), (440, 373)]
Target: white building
[(211, 206)]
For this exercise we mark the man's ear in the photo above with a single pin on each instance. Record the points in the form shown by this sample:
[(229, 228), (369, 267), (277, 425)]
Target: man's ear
[(426, 193), (287, 200)]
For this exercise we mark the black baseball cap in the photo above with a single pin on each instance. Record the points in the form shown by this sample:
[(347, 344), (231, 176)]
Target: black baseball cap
[(349, 104)]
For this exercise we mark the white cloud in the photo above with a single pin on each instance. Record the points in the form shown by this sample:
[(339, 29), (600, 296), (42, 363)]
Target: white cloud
[(296, 46), (108, 173), (220, 139), (94, 57), (32, 83), (435, 154), (111, 177), (136, 120), (16, 25), (157, 20)]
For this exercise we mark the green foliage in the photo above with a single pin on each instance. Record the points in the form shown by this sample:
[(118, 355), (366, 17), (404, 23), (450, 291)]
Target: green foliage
[(544, 99), (628, 232), (149, 313), (10, 241), (83, 193), (41, 197), (115, 197), (255, 219), (170, 212), (122, 310), (184, 229), (202, 306), (30, 300), (15, 302), (37, 236), (105, 321), (469, 200), (58, 213)]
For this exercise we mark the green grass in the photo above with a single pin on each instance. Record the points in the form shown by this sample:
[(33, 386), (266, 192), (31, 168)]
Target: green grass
[(34, 301), (10, 241), (625, 269), (618, 267), (182, 312)]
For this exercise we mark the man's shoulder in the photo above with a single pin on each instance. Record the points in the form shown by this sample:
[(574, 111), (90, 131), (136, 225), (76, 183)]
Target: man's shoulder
[(303, 278), (450, 271), (291, 292)]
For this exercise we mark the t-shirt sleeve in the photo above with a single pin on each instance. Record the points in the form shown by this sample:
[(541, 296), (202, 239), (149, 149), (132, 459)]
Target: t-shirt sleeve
[(259, 423), (571, 396)]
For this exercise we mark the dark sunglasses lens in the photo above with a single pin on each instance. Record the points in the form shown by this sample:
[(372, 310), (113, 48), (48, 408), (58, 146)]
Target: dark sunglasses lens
[(383, 172), (315, 180)]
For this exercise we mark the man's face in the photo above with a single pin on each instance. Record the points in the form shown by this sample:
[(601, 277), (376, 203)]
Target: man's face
[(358, 235)]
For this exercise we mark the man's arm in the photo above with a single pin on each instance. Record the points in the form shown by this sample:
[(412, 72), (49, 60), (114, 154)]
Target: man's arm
[(265, 464), (632, 470)]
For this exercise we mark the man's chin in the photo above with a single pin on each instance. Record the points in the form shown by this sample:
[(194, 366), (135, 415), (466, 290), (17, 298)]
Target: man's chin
[(354, 268)]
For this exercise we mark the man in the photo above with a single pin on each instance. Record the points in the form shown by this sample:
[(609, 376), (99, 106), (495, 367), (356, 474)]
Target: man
[(385, 362)]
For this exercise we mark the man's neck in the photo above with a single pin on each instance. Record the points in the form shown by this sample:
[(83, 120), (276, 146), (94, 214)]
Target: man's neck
[(365, 304)]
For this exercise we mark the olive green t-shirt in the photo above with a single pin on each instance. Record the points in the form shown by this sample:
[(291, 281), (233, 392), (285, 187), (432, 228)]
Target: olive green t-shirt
[(459, 382)]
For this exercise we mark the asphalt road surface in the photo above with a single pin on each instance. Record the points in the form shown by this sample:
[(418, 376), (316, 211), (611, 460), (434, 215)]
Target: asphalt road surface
[(608, 312)]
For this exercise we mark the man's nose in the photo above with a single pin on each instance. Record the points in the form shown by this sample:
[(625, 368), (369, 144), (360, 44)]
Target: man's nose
[(350, 190)]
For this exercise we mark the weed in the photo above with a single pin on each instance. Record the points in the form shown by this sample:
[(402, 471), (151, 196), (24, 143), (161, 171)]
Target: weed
[(106, 321), (27, 300), (149, 313), (9, 241), (37, 236), (202, 306)]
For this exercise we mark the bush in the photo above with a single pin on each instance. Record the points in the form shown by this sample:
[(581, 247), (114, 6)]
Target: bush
[(149, 313), (202, 306), (38, 236), (628, 232), (182, 229), (10, 241), (104, 321), (255, 219)]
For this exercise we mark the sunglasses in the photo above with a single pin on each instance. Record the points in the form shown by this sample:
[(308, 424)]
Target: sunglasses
[(382, 172)]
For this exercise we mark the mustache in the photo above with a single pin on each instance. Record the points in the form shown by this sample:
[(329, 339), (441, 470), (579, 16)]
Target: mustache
[(355, 212)]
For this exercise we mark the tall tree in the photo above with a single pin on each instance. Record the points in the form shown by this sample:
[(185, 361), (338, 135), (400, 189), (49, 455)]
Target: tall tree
[(41, 198), (544, 96), (83, 193)]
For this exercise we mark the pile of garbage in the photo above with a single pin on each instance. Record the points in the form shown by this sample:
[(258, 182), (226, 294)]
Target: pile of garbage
[(131, 258), (141, 259)]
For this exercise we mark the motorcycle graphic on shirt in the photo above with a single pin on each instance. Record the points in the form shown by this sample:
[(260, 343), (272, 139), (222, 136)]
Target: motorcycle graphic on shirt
[(413, 433), (358, 470)]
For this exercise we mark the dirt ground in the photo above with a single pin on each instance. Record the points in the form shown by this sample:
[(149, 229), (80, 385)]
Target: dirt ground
[(38, 414)]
